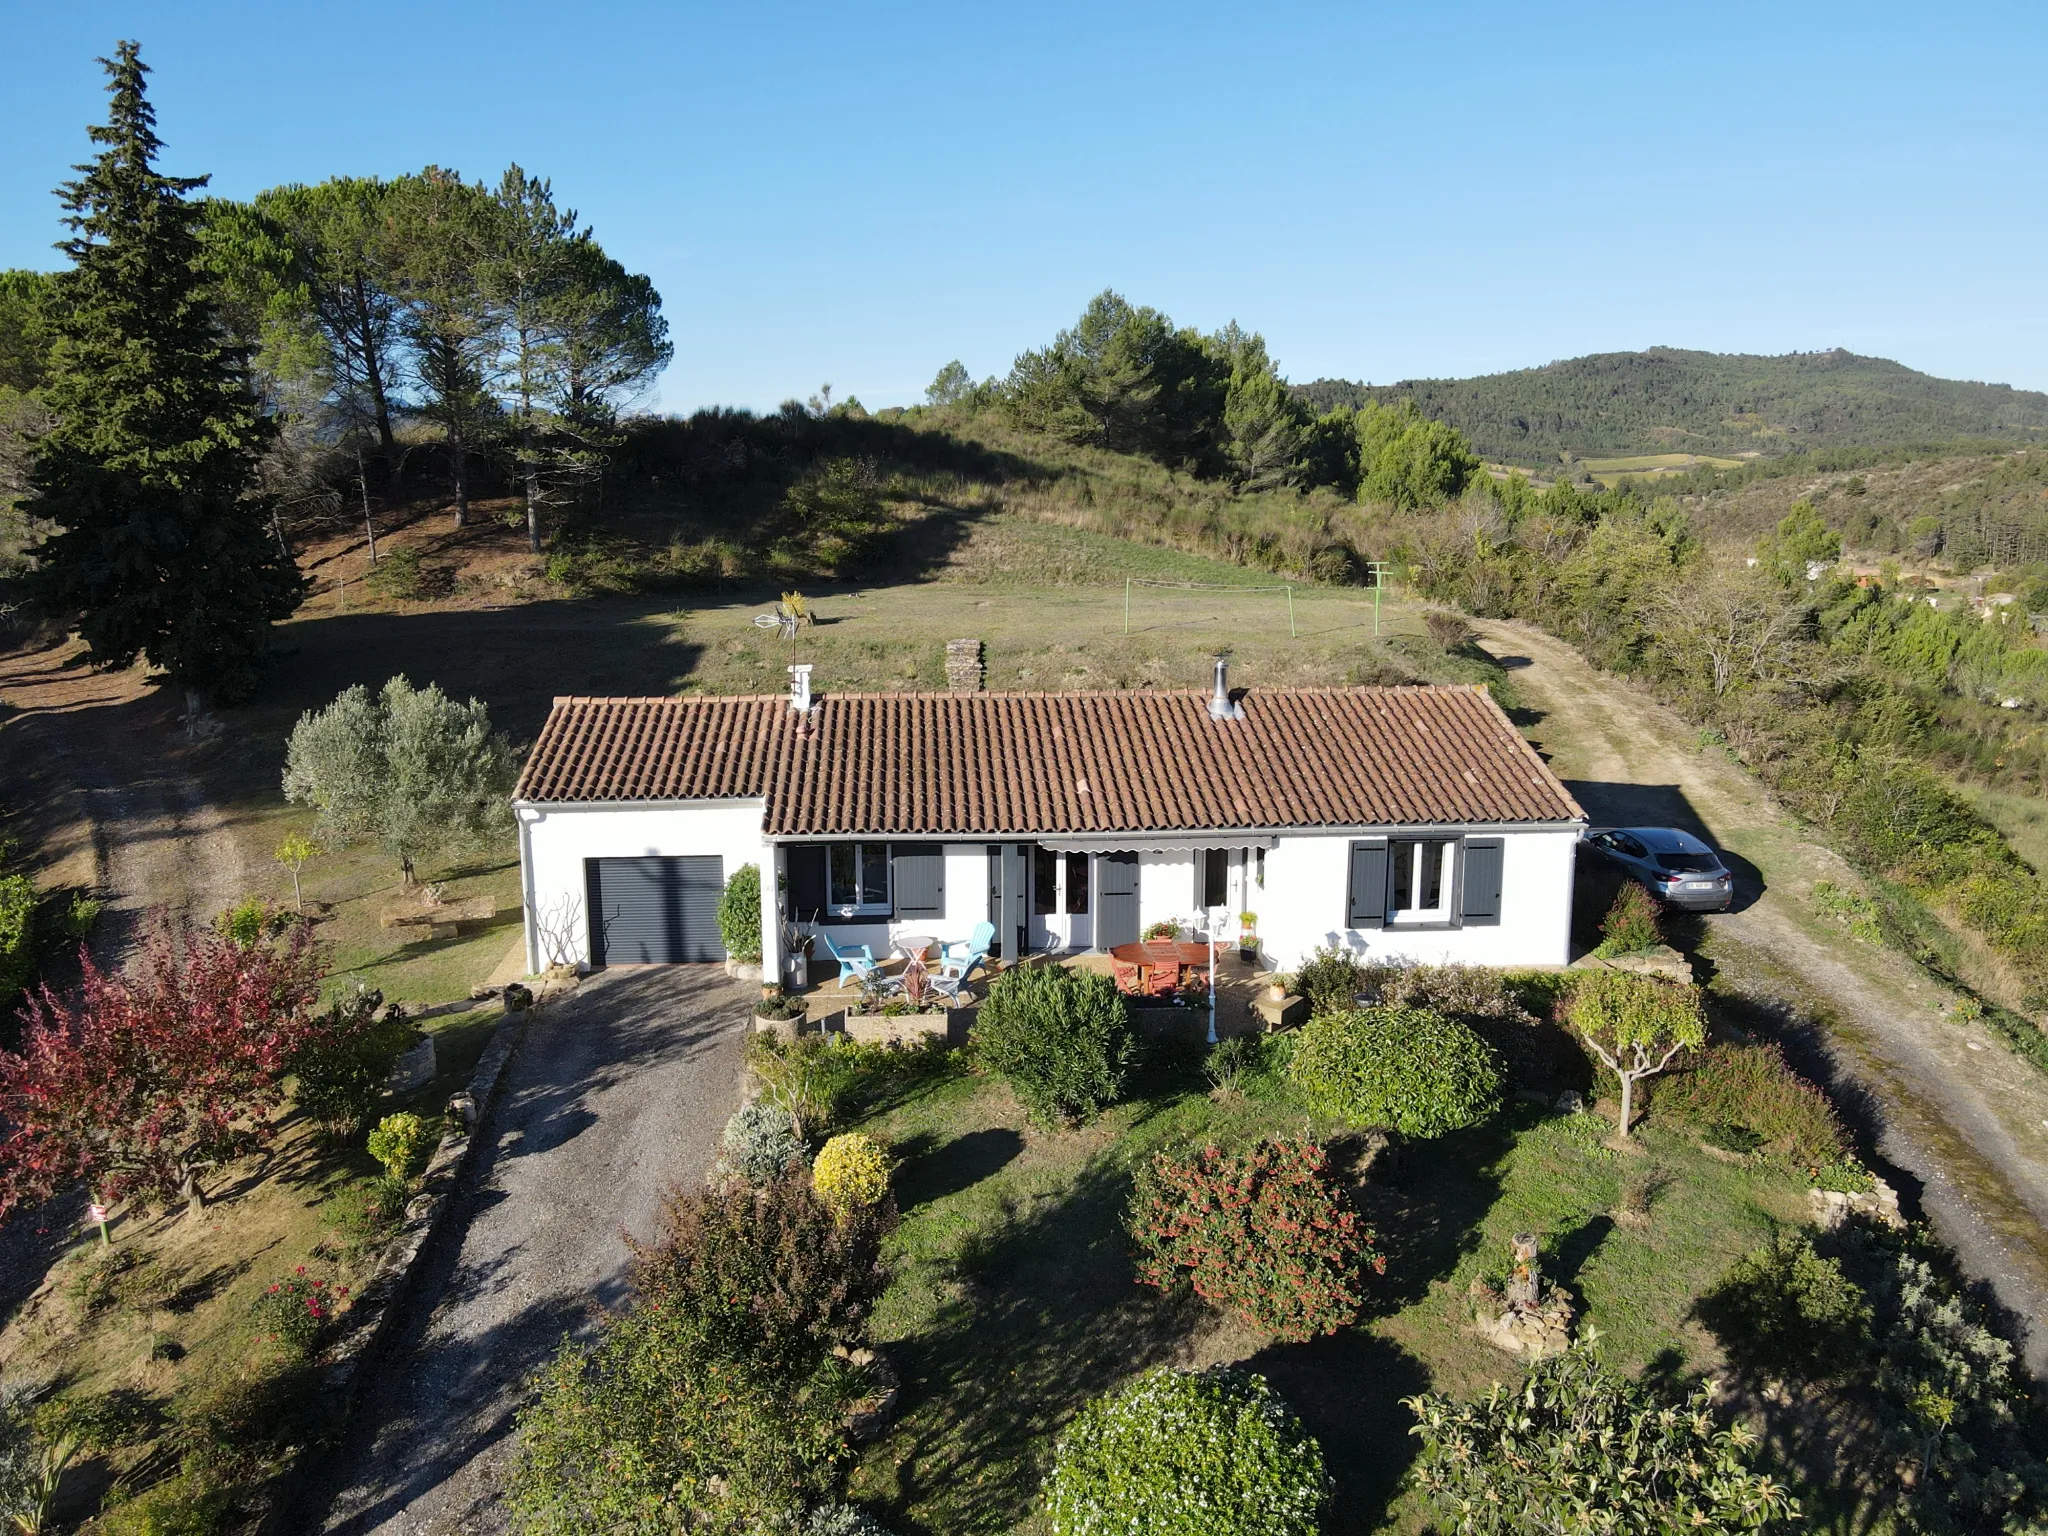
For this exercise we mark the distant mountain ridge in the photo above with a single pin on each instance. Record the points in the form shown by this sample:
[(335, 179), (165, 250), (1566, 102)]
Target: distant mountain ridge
[(1667, 400)]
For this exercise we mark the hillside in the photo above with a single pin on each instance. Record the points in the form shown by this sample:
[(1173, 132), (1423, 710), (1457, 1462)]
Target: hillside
[(1664, 399)]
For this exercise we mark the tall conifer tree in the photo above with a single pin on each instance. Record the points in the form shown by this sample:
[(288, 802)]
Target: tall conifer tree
[(150, 470)]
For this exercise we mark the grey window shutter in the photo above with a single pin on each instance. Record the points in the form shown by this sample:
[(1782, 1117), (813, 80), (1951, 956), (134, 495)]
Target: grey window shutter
[(919, 875), (1480, 901), (1367, 904)]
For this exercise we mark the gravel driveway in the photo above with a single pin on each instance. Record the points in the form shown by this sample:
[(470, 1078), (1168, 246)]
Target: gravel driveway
[(616, 1092)]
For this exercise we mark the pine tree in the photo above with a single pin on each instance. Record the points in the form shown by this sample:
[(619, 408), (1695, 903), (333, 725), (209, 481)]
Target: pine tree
[(164, 548)]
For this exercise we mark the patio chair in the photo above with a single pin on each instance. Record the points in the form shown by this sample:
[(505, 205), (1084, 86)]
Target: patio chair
[(1162, 981), (1128, 981), (976, 943), (855, 964), (949, 977)]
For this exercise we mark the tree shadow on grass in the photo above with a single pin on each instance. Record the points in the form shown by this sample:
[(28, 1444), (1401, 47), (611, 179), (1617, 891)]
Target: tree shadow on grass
[(1426, 1208), (1348, 1390), (1048, 1316), (932, 1169)]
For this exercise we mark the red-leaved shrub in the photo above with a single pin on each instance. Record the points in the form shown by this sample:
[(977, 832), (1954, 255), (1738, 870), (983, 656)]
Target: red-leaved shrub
[(1264, 1231)]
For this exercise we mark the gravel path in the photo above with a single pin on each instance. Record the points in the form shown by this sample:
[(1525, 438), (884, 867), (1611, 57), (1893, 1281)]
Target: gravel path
[(616, 1092), (1952, 1108)]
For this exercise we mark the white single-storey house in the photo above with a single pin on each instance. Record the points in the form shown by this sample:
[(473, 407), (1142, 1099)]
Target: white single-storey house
[(1408, 823)]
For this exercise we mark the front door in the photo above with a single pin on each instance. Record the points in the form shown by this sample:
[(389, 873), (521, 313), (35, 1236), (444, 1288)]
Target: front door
[(1061, 900), (1116, 899)]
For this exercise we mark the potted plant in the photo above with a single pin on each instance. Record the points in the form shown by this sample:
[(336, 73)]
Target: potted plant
[(1164, 929), (1248, 938)]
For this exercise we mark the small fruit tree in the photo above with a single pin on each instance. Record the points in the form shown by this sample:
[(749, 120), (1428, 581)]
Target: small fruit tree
[(407, 767), (139, 1083), (1576, 1448), (1636, 1025)]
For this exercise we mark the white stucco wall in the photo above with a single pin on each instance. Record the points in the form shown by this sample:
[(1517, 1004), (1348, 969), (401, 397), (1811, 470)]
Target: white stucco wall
[(1304, 906), (555, 840)]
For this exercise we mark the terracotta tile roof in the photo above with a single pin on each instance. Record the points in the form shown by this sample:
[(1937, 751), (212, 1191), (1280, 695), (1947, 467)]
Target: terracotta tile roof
[(989, 764)]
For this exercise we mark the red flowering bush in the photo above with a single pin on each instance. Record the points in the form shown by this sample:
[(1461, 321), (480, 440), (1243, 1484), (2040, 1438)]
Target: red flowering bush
[(1264, 1231), (296, 1310)]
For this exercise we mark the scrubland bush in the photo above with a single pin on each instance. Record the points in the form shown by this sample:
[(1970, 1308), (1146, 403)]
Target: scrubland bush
[(1784, 1310), (1405, 1069), (1751, 1087), (1263, 1231), (1187, 1453), (345, 1057), (1061, 1039)]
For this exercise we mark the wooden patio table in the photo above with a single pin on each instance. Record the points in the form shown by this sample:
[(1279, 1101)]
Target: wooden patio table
[(1149, 953)]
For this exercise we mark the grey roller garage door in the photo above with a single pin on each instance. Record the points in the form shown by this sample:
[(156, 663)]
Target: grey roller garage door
[(654, 911)]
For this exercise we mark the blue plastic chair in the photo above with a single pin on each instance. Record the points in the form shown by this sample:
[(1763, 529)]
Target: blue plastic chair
[(975, 944), (854, 964), (950, 977)]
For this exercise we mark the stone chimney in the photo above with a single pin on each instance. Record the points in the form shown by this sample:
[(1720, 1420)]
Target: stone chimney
[(964, 670)]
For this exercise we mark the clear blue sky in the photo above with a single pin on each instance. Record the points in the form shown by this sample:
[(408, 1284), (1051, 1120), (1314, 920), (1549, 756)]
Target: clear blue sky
[(855, 194)]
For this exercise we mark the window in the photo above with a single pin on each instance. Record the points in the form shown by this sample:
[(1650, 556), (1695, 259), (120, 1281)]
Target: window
[(858, 878), (1215, 877), (1077, 884), (1419, 881)]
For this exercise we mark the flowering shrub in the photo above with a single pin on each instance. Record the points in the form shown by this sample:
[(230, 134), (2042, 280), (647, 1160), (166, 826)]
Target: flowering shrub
[(296, 1310), (761, 1143), (1187, 1453), (1262, 1231), (1630, 926), (396, 1143), (1751, 1087), (851, 1173), (1405, 1068)]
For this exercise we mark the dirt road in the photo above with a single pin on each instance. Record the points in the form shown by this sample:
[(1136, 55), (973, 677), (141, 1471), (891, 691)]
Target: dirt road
[(95, 768), (1953, 1109)]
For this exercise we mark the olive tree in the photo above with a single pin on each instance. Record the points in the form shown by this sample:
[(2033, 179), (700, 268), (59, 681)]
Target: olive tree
[(406, 767), (1637, 1025)]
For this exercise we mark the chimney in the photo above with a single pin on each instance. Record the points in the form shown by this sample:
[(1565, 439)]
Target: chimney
[(800, 688), (965, 672), (1220, 705)]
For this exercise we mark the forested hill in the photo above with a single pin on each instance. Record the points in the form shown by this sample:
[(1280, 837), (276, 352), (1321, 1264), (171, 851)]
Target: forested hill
[(1669, 401)]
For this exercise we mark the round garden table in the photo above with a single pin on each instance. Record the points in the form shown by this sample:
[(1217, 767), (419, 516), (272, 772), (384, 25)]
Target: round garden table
[(1160, 954)]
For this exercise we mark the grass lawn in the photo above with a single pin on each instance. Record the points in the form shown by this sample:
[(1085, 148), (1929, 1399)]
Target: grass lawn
[(2022, 818), (1013, 1301)]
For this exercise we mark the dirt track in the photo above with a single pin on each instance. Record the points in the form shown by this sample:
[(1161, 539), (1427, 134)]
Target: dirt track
[(1954, 1110)]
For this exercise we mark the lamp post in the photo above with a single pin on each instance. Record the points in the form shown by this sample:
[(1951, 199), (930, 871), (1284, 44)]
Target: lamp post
[(1216, 916)]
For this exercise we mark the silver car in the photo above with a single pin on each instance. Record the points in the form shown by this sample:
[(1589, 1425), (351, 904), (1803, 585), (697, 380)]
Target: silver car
[(1673, 866)]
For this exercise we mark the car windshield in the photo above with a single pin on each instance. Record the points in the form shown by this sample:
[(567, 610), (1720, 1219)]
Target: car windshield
[(1690, 863)]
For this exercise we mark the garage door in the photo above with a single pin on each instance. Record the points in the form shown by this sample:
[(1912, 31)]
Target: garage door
[(654, 911)]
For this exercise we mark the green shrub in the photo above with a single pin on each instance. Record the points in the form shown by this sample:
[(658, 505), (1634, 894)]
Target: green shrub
[(252, 920), (773, 1275), (17, 936), (397, 575), (296, 1311), (1331, 979), (1263, 1231), (188, 1504), (1631, 926), (1187, 1453), (761, 1143), (739, 915), (1060, 1037), (651, 1429), (1855, 912), (1573, 1448), (826, 1082), (1403, 1068), (837, 1520), (1750, 1088), (397, 1143), (367, 1213), (1786, 1311), (345, 1058)]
